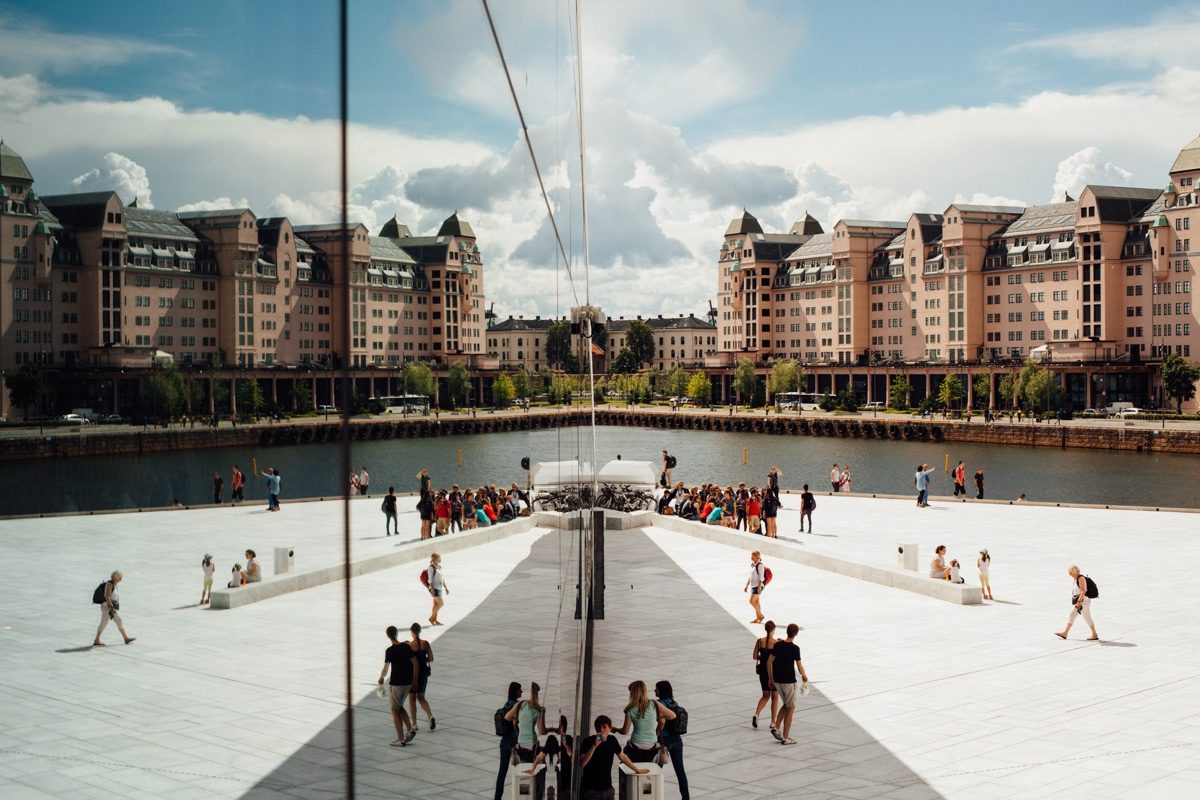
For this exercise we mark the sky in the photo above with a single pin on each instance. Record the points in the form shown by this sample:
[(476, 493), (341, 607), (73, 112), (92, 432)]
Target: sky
[(691, 112)]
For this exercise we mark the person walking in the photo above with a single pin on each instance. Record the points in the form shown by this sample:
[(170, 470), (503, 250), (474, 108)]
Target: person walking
[(835, 478), (979, 483), (1081, 603), (669, 735), (960, 480), (272, 478), (437, 586), (109, 608), (402, 662), (845, 480), (364, 482), (425, 504), (762, 652), (668, 464), (984, 563), (218, 488), (530, 718), (783, 663), (755, 584), (236, 483), (643, 717), (424, 653), (389, 512), (355, 488), (508, 739), (209, 566), (808, 504)]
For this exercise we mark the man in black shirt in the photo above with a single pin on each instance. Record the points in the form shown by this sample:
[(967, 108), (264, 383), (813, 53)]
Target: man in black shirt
[(596, 762), (781, 666), (808, 504), (405, 669), (389, 512)]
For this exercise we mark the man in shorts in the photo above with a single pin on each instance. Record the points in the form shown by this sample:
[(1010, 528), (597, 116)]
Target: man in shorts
[(402, 661), (781, 666)]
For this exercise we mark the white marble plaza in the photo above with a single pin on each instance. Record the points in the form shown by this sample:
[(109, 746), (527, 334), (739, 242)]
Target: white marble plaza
[(976, 701)]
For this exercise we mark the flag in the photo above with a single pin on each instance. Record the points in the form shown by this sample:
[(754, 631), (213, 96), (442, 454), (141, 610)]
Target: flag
[(596, 351)]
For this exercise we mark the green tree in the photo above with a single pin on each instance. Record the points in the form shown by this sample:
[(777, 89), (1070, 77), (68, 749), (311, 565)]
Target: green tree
[(250, 398), (458, 383), (828, 402), (624, 363), (558, 344), (951, 392), (983, 390), (220, 395), (418, 379), (848, 397), (193, 395), (639, 338), (1007, 390), (523, 382), (301, 397), (785, 376), (24, 386), (162, 396), (503, 391), (1179, 379), (699, 388), (744, 380), (677, 382), (899, 393), (1037, 388)]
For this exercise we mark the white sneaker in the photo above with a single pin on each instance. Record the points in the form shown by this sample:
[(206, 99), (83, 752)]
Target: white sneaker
[(397, 743)]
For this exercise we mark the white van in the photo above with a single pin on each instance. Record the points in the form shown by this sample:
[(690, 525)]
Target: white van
[(1115, 409)]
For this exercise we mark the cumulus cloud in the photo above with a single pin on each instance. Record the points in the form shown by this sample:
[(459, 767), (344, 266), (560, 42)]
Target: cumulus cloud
[(19, 93), (218, 204), (122, 174), (1083, 167), (27, 45)]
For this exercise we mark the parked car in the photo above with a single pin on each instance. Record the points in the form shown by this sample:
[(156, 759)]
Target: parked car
[(874, 404), (1090, 411), (1129, 412), (327, 410), (111, 419), (76, 419)]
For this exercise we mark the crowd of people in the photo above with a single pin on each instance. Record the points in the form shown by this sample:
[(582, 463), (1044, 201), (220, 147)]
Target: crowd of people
[(444, 511), (753, 509)]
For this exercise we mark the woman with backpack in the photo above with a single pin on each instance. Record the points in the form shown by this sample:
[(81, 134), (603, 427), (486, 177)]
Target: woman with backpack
[(755, 583), (508, 735), (643, 716), (1081, 603), (530, 719), (670, 734), (436, 585), (424, 655), (109, 604)]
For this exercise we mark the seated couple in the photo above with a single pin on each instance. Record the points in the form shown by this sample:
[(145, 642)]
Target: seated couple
[(251, 574)]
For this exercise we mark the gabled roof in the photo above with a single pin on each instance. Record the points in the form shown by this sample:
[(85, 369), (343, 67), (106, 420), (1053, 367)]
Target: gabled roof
[(1123, 203), (819, 245), (1051, 216), (12, 165), (1188, 158), (806, 226), (81, 211), (157, 224), (661, 323), (385, 249), (977, 209), (268, 231), (746, 223), (216, 213), (874, 223), (456, 226), (522, 324)]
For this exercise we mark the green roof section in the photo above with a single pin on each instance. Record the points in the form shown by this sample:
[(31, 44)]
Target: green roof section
[(1161, 222), (12, 165), (1171, 188), (41, 229)]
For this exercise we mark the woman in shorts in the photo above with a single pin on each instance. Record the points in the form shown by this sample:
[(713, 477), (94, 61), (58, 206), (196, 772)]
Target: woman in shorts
[(762, 651)]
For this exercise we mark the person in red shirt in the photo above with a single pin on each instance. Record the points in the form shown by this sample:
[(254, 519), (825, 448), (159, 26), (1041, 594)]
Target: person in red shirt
[(754, 510), (441, 509), (488, 510), (237, 481)]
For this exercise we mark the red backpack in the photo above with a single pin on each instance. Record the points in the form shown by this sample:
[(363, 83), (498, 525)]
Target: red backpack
[(767, 575), (425, 578)]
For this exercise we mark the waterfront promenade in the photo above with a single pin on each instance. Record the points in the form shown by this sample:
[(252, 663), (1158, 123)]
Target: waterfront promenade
[(913, 697)]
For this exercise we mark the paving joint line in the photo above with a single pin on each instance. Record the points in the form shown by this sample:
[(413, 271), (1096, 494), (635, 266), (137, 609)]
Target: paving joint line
[(1066, 760)]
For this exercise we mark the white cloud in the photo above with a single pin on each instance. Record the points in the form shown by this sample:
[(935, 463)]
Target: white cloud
[(122, 174), (1083, 167), (1166, 41), (19, 93), (218, 204), (27, 45)]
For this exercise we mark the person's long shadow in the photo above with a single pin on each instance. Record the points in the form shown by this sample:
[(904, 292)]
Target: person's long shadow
[(1117, 644), (86, 649)]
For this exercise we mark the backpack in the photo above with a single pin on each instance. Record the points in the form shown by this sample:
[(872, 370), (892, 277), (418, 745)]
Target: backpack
[(1092, 591), (767, 575), (425, 577), (671, 462), (98, 595), (503, 726), (677, 726)]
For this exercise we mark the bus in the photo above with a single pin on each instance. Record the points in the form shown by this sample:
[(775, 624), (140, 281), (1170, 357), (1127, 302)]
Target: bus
[(802, 401), (404, 404)]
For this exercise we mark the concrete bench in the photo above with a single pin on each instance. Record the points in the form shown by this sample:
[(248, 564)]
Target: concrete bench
[(287, 583), (959, 593)]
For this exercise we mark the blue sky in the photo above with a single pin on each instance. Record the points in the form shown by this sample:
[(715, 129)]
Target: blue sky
[(693, 111)]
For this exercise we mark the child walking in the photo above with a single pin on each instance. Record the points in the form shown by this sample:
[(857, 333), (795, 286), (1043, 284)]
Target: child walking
[(984, 562), (209, 567)]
